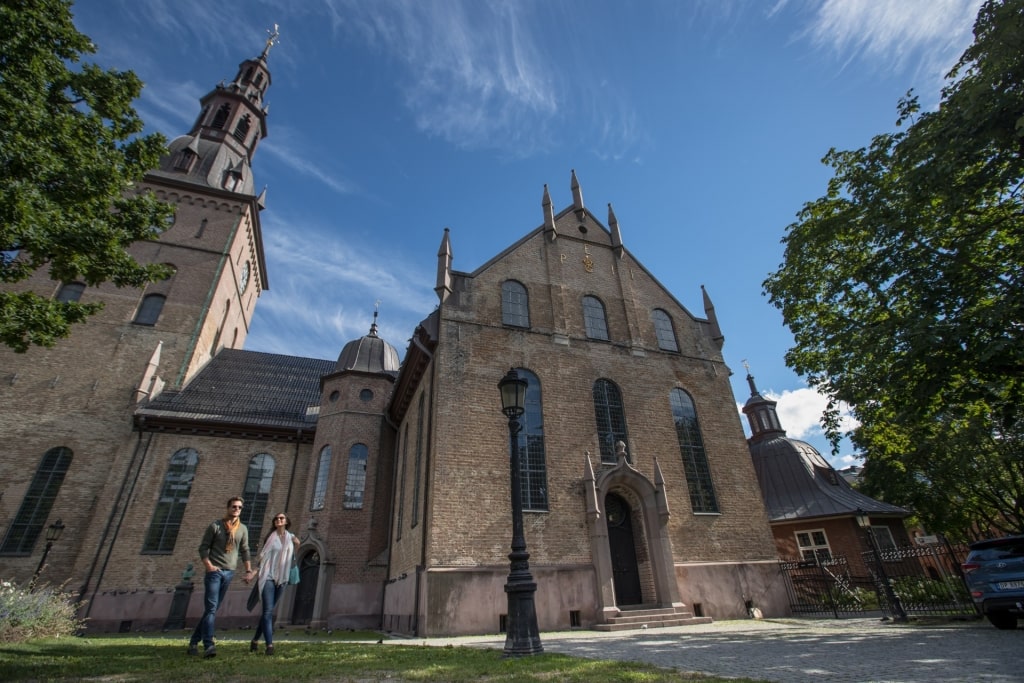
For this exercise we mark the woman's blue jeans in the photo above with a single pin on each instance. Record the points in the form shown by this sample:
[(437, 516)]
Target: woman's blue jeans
[(268, 598)]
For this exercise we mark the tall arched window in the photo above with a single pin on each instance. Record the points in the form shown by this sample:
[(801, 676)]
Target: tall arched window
[(37, 503), (530, 442), (242, 128), (355, 482), (72, 291), (664, 330), (149, 309), (170, 507), (515, 304), (594, 318), (323, 472), (610, 417), (695, 460), (221, 117), (256, 494)]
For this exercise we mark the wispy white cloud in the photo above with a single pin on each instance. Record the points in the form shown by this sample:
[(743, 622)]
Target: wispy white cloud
[(327, 289), (475, 71), (305, 165), (924, 36)]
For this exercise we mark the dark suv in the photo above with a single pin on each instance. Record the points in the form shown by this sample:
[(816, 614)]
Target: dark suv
[(994, 572)]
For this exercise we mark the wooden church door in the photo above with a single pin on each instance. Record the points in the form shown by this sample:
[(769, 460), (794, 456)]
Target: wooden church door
[(625, 574), (305, 595)]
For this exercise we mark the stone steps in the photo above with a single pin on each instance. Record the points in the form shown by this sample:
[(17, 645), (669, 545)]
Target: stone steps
[(639, 619)]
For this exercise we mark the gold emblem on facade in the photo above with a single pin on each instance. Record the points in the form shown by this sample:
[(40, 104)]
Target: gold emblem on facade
[(588, 264)]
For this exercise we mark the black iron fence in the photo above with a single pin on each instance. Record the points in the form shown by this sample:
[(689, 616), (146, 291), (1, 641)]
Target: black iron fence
[(925, 578)]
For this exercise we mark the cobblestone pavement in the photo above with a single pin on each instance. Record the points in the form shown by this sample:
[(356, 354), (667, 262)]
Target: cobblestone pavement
[(805, 650)]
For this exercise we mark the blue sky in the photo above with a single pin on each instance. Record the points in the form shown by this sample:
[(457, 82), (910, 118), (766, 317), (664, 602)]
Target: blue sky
[(702, 121)]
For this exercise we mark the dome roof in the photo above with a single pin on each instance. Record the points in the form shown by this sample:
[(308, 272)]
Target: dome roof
[(369, 354), (214, 160), (798, 483)]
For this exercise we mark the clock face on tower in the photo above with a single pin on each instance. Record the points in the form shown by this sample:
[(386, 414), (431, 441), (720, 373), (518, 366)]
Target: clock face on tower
[(243, 277)]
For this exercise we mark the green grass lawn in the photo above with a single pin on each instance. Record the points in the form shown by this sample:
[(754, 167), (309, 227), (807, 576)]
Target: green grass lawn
[(347, 657)]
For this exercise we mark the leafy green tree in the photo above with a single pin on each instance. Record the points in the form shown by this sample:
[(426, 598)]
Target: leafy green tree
[(69, 155), (904, 289)]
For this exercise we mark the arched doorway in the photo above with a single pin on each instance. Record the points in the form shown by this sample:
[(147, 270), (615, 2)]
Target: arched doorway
[(305, 596), (621, 544)]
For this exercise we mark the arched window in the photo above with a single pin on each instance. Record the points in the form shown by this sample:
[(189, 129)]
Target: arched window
[(37, 503), (170, 507), (256, 494), (594, 318), (515, 304), (530, 442), (232, 180), (663, 328), (185, 160), (221, 117), (149, 310), (695, 460), (610, 417), (323, 472), (355, 482), (72, 291), (242, 128)]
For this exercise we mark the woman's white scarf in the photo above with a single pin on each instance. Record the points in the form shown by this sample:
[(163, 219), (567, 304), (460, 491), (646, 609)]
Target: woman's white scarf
[(276, 559)]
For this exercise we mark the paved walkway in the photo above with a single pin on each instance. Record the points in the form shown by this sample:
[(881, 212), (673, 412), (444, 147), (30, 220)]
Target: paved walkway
[(804, 650)]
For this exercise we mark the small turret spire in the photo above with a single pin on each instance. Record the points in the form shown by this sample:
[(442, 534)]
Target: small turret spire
[(577, 193), (761, 413), (549, 214), (613, 223), (443, 285), (709, 311)]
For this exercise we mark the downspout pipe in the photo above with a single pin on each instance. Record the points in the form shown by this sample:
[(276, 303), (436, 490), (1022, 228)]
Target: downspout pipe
[(113, 530)]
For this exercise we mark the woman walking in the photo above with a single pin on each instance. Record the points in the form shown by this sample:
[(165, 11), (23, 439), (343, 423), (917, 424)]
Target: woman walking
[(275, 564)]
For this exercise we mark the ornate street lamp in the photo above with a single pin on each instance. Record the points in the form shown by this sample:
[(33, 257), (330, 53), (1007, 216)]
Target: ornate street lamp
[(899, 615), (53, 533), (522, 636)]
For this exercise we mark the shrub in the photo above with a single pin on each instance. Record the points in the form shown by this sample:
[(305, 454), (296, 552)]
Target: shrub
[(43, 613)]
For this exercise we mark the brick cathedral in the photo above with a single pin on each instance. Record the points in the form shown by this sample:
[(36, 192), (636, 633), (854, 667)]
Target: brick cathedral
[(638, 489)]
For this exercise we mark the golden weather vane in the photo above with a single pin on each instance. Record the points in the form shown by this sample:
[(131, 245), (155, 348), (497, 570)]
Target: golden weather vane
[(273, 38)]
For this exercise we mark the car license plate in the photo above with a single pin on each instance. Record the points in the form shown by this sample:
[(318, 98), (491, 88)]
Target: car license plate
[(1009, 585)]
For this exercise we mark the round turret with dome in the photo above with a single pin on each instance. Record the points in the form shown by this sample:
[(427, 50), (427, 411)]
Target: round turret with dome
[(796, 481), (369, 354)]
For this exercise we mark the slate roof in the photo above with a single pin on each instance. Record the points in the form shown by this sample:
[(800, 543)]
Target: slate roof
[(245, 388), (797, 483)]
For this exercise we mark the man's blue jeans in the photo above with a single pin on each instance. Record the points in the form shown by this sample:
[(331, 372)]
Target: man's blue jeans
[(215, 585)]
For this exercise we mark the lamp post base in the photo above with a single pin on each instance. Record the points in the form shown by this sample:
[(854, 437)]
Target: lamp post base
[(523, 636)]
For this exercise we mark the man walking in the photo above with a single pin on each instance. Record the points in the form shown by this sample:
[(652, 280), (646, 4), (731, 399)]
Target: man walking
[(223, 542)]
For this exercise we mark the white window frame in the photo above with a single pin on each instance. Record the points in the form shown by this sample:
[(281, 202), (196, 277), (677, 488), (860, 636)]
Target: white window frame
[(811, 551)]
